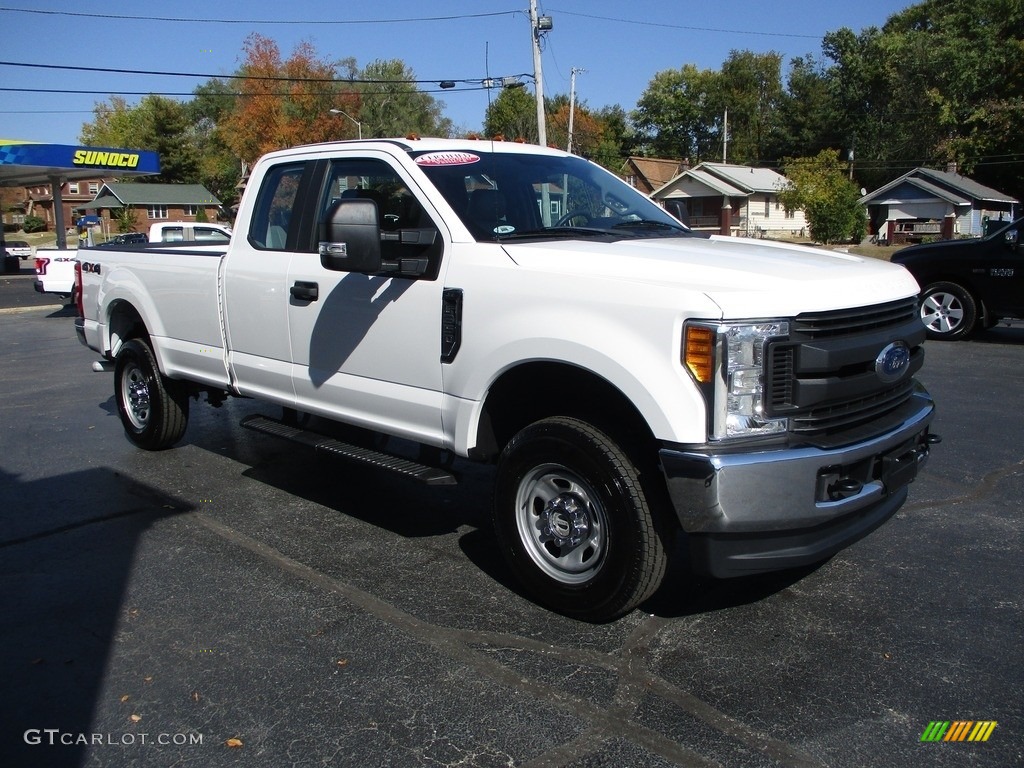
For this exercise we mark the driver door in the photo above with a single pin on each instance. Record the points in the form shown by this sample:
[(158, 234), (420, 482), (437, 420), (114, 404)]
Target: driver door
[(366, 347)]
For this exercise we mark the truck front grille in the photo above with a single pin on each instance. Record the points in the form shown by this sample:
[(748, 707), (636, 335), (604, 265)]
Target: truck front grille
[(823, 376)]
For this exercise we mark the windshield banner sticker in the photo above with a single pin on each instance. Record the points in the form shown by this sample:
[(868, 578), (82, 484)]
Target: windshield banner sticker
[(447, 158)]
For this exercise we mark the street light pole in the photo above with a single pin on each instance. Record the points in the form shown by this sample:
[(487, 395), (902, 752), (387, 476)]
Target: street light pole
[(572, 102), (359, 126)]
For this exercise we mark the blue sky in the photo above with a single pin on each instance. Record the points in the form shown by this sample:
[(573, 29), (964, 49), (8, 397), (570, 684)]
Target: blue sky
[(619, 45)]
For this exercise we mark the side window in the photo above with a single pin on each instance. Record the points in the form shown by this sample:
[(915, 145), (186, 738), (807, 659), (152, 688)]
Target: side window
[(210, 235), (172, 234), (273, 215), (397, 207)]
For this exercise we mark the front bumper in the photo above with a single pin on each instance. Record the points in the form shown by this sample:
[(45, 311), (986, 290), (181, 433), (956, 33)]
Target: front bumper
[(751, 512)]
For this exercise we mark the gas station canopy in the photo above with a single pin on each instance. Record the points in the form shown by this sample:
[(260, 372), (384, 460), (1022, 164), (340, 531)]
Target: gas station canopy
[(24, 163), (27, 163)]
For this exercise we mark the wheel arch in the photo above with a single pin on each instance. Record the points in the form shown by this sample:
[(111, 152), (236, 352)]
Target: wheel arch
[(124, 322), (540, 389), (945, 277)]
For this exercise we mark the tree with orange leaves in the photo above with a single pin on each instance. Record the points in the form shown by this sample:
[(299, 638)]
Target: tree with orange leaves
[(282, 103)]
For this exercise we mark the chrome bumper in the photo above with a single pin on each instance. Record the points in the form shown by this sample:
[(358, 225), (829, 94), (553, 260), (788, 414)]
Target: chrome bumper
[(748, 512)]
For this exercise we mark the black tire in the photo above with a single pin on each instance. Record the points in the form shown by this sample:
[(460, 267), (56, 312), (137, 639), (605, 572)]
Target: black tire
[(153, 409), (575, 522), (948, 311)]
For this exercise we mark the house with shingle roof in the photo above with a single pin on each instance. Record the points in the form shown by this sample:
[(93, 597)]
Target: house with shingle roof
[(732, 200), (935, 204), (649, 173), (151, 203)]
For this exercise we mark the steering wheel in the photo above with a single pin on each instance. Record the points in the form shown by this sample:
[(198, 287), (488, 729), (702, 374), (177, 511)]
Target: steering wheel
[(573, 214)]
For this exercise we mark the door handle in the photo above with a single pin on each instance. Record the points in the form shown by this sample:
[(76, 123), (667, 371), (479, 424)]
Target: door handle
[(303, 291)]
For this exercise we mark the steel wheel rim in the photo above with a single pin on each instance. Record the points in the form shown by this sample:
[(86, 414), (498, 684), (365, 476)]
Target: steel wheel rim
[(942, 312), (135, 396), (562, 524)]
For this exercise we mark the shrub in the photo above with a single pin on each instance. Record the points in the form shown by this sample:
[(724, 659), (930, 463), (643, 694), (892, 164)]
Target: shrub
[(33, 224)]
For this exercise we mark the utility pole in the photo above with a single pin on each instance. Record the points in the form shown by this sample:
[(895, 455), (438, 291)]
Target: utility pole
[(725, 136), (572, 102), (538, 25)]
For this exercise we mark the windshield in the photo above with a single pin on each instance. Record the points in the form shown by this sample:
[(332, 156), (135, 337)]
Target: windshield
[(509, 196)]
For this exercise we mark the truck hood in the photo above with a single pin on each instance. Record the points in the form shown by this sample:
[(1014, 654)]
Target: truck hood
[(745, 278)]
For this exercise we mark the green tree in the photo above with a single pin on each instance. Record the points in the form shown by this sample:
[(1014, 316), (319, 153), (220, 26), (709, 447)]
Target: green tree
[(114, 124), (803, 111), (962, 63), (395, 106), (156, 124), (125, 218), (679, 115), (819, 186), (750, 88), (618, 140), (219, 168), (512, 115)]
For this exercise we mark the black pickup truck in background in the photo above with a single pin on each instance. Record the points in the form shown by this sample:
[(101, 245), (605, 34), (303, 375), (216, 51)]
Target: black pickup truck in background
[(966, 284)]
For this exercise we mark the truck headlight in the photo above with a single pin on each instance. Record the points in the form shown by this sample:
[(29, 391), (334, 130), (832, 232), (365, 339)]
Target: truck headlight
[(727, 360)]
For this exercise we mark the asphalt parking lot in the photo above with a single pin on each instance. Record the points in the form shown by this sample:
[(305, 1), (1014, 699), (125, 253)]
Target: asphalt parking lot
[(232, 602)]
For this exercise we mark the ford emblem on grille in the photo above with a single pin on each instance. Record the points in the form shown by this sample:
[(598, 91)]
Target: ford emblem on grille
[(892, 362)]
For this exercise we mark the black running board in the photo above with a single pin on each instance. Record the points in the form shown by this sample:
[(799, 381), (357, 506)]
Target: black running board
[(333, 447)]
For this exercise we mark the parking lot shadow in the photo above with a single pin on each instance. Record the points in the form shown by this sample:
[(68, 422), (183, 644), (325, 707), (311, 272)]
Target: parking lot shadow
[(66, 551)]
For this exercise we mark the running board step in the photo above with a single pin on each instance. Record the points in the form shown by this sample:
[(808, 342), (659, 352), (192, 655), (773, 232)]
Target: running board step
[(332, 447)]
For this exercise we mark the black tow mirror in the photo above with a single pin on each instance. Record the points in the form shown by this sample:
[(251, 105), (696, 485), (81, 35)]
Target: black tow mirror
[(350, 237)]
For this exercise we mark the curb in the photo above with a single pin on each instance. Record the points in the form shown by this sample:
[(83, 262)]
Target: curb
[(41, 308)]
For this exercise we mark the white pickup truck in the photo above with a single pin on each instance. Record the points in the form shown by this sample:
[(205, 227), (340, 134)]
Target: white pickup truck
[(55, 272), (513, 304)]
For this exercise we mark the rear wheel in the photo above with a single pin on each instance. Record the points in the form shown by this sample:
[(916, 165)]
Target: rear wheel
[(153, 409), (575, 523), (948, 311)]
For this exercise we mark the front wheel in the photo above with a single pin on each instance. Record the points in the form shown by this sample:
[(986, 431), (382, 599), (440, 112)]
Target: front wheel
[(575, 523), (948, 311), (153, 409)]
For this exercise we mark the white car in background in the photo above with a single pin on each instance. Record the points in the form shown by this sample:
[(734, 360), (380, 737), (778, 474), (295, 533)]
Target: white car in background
[(188, 231), (18, 248)]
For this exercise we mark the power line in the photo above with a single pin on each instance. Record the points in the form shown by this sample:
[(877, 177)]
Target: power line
[(277, 78), (682, 26), (481, 87), (126, 17)]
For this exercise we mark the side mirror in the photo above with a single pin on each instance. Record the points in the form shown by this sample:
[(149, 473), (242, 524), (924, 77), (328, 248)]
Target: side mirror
[(350, 237)]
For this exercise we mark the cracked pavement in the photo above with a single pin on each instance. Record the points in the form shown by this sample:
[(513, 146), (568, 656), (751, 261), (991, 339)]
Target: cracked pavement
[(322, 614)]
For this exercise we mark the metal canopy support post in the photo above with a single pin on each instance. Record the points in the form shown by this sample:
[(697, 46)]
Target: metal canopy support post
[(56, 182)]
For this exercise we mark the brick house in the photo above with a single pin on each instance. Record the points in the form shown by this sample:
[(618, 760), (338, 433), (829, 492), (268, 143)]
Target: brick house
[(150, 203), (39, 199)]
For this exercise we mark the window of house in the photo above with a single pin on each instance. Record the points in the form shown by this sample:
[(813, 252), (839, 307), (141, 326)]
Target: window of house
[(73, 188), (94, 188), (189, 210), (156, 211), (767, 206)]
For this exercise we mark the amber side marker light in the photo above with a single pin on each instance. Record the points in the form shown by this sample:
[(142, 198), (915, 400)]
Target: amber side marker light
[(699, 353)]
